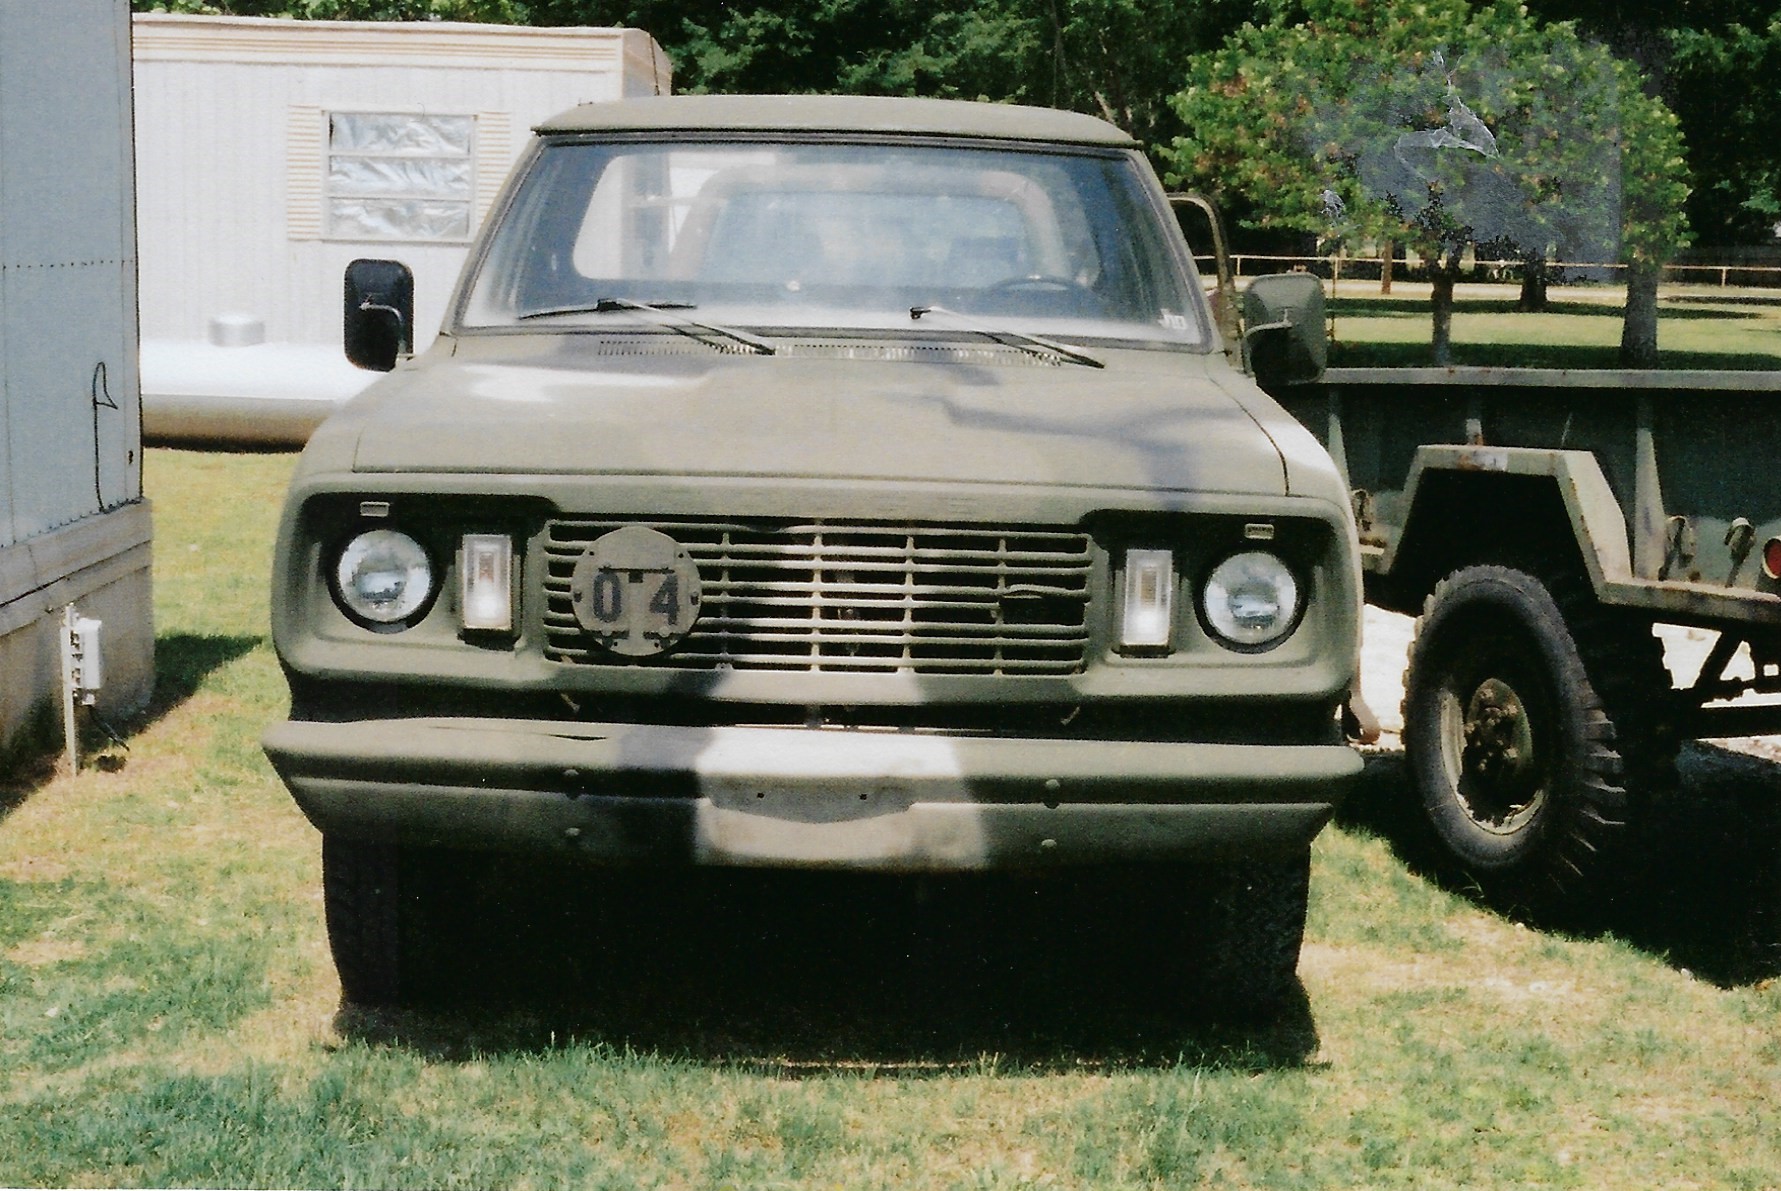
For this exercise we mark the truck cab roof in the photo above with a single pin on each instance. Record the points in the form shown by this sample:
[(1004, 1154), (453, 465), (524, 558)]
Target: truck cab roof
[(837, 114)]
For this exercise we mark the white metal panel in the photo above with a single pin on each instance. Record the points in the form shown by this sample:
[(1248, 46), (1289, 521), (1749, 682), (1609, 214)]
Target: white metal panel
[(231, 145), (8, 473), (67, 267)]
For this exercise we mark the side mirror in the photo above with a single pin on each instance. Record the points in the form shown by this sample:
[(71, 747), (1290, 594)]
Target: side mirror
[(1283, 328), (379, 322)]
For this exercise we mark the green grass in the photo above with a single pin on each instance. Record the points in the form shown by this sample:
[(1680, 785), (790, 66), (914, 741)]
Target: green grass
[(1581, 328), (168, 1012)]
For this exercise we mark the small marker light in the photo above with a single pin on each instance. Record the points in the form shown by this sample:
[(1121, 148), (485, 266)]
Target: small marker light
[(487, 587), (1149, 618), (1771, 558)]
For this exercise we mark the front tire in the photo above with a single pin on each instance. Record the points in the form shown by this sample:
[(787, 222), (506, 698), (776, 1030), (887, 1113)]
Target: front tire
[(361, 894), (1250, 926), (1529, 733), (395, 916)]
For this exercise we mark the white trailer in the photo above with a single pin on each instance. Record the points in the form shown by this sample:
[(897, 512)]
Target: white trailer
[(74, 527), (271, 152)]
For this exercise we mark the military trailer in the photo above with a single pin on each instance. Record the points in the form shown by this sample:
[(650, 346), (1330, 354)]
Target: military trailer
[(1541, 523), (820, 483)]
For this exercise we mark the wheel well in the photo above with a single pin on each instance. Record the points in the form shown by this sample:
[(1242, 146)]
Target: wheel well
[(1463, 519)]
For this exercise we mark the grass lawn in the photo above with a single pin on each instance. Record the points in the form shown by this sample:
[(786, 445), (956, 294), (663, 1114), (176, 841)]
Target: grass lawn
[(168, 1011), (1697, 327)]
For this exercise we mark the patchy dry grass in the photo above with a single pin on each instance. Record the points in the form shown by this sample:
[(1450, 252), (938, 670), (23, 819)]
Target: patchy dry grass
[(168, 1012)]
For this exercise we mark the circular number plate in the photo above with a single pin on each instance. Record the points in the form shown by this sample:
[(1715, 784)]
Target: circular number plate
[(636, 591)]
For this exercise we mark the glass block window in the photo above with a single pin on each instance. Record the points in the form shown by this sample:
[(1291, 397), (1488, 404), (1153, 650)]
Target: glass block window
[(392, 176)]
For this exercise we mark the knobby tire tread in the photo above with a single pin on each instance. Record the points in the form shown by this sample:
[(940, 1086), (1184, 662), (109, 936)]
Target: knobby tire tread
[(1252, 928), (1607, 668)]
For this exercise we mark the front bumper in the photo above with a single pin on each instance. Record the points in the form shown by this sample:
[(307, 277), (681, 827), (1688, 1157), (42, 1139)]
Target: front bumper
[(803, 797)]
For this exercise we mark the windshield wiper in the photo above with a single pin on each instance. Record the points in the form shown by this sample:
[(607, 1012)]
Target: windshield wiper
[(661, 314), (1045, 349)]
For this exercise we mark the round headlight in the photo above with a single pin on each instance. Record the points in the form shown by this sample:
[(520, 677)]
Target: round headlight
[(383, 577), (1251, 599)]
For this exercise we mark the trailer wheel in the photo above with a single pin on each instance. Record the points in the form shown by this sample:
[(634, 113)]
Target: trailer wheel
[(1525, 729)]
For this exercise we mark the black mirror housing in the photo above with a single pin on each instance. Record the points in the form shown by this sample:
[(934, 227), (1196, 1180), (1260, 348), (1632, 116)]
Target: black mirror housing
[(1283, 318), (379, 313)]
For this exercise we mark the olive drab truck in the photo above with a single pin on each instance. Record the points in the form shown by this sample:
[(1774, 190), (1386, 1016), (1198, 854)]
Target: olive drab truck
[(821, 482)]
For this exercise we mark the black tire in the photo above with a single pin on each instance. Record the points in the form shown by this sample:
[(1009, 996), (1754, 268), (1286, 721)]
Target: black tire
[(1249, 926), (394, 915), (1534, 724), (1762, 894), (361, 894)]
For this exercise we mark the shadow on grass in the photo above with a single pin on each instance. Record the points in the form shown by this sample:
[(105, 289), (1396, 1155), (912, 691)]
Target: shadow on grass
[(811, 973), (1344, 354), (1739, 299), (31, 761), (1701, 887), (182, 662), (1419, 309)]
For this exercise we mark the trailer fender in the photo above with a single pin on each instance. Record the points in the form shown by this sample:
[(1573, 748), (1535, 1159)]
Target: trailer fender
[(1596, 523)]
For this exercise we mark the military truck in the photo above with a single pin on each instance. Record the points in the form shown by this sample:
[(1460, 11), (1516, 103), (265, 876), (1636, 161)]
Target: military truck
[(1541, 523), (824, 483)]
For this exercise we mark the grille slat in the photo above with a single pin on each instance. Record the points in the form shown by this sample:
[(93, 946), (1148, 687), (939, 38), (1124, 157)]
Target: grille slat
[(856, 597), (930, 596)]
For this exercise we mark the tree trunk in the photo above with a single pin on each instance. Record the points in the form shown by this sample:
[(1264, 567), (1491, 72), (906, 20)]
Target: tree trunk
[(1534, 278), (1387, 259), (1638, 334), (1441, 302)]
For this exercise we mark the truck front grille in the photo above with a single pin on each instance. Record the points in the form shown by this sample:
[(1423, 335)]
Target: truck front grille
[(858, 597)]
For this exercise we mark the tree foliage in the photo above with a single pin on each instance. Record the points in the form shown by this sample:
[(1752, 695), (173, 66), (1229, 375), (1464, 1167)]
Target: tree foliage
[(1439, 124), (1720, 82), (1712, 62)]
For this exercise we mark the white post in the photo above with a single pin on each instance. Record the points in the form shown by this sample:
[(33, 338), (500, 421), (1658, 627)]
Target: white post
[(70, 726)]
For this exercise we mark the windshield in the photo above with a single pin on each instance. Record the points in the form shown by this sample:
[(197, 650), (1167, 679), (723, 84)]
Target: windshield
[(807, 235)]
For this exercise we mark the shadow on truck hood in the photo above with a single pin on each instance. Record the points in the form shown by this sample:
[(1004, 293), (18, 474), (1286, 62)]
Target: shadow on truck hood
[(1149, 420)]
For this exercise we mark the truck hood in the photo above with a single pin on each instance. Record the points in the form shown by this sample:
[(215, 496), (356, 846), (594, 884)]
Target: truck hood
[(546, 405)]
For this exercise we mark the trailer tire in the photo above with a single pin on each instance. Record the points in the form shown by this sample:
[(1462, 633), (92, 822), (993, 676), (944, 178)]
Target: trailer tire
[(1529, 732)]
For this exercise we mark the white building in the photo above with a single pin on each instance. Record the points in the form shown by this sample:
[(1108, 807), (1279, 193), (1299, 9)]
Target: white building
[(269, 153)]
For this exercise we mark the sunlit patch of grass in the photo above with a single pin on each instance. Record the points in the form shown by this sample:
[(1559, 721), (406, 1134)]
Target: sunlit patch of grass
[(90, 970)]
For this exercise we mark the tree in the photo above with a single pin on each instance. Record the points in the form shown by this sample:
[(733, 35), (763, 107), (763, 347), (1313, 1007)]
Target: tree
[(1441, 125), (1721, 80), (1711, 61), (1119, 59)]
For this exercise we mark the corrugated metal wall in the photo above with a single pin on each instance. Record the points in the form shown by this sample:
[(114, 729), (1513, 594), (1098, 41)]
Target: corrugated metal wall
[(69, 411), (229, 158)]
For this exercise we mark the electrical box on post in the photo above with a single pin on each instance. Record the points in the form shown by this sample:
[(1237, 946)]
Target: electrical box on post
[(88, 671)]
